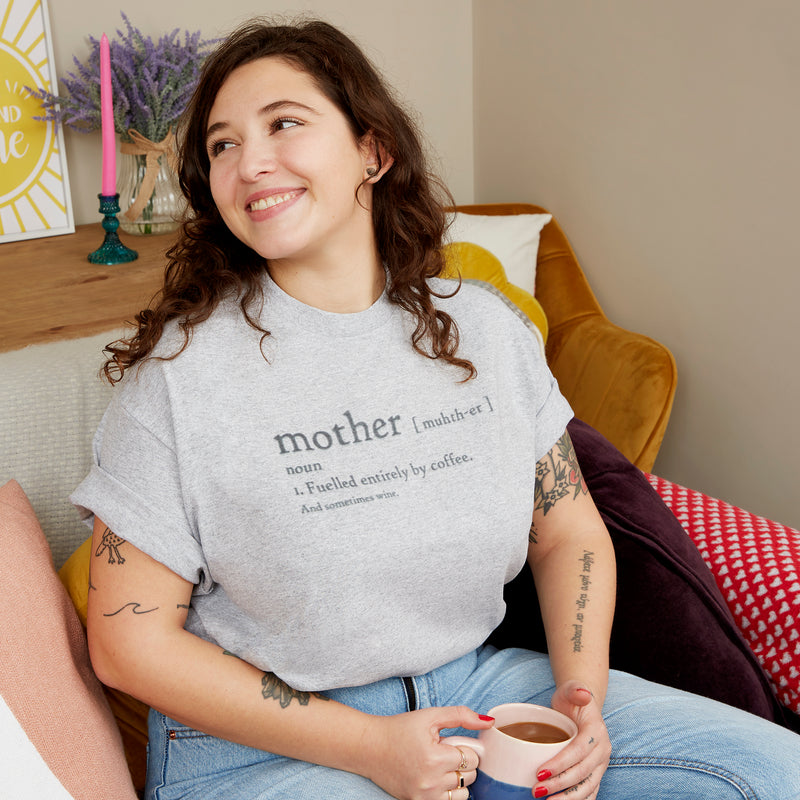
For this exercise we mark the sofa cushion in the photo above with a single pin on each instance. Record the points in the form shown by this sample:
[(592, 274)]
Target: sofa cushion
[(512, 238), (62, 736), (471, 262), (671, 623), (756, 563)]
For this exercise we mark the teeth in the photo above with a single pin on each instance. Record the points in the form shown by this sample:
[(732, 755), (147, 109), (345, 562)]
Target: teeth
[(268, 202)]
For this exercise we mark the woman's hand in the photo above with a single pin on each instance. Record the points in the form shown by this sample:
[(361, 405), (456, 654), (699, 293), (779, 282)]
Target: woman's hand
[(579, 766), (409, 760)]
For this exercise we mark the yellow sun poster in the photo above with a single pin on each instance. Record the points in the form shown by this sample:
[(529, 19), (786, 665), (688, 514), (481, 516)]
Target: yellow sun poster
[(34, 186)]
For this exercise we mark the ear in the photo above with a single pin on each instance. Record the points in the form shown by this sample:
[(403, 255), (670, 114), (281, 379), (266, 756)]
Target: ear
[(377, 160)]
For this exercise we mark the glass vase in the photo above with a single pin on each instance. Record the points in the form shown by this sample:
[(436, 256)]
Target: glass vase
[(163, 210)]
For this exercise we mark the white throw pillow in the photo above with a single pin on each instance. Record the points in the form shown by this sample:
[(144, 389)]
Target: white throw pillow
[(512, 239)]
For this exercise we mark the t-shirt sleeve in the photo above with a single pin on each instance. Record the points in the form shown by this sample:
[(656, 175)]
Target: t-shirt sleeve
[(134, 484), (552, 417), (532, 384)]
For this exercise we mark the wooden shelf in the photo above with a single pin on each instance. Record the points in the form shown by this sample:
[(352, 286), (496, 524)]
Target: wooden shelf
[(50, 290)]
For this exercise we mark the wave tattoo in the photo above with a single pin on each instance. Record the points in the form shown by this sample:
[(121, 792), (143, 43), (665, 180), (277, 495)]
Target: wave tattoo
[(134, 608)]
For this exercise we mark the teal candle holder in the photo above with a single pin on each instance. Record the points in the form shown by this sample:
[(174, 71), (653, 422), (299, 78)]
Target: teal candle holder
[(112, 251)]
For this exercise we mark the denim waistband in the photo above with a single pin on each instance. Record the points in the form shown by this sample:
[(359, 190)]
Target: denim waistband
[(396, 695)]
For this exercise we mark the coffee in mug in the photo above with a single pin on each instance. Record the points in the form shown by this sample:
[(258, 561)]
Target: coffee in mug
[(511, 753), (535, 732)]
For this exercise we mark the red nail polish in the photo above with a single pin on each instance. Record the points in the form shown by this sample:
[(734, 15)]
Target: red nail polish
[(544, 774), (485, 718), (540, 791)]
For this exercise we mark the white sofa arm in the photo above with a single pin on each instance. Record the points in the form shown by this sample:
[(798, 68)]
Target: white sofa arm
[(51, 401)]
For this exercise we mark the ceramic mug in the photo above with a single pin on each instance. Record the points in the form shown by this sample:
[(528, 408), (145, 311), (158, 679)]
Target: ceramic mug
[(507, 765)]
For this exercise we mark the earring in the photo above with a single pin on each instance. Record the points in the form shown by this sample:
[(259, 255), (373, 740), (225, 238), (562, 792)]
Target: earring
[(372, 171)]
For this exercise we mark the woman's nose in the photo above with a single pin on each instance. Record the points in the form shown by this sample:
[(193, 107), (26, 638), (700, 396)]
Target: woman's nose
[(256, 158)]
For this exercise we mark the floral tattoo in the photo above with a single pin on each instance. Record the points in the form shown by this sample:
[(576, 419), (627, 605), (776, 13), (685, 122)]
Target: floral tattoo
[(273, 687), (558, 475)]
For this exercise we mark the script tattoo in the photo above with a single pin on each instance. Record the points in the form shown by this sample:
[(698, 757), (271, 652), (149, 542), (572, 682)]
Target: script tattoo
[(582, 601), (577, 786), (111, 542), (272, 686)]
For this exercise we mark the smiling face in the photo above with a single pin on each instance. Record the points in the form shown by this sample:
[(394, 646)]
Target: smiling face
[(285, 168)]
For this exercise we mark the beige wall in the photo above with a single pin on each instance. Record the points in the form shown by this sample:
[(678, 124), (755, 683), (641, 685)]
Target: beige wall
[(664, 136), (424, 48), (660, 134)]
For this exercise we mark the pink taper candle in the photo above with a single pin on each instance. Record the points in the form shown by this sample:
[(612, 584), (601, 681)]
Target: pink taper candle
[(109, 185)]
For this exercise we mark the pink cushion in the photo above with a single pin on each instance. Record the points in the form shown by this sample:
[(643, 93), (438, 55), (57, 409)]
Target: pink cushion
[(45, 676), (755, 563)]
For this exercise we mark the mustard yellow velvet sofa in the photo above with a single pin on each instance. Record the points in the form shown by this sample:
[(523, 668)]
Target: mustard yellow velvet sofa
[(619, 382)]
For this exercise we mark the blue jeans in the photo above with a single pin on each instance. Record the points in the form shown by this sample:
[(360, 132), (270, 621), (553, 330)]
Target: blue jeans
[(666, 743)]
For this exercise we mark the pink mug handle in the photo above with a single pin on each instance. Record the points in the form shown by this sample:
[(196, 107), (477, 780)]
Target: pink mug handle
[(465, 741)]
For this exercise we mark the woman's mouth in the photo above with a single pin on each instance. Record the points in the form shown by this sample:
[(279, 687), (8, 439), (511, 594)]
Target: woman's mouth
[(264, 203)]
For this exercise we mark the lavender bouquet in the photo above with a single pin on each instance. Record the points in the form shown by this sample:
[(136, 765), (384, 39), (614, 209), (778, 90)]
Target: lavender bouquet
[(151, 81)]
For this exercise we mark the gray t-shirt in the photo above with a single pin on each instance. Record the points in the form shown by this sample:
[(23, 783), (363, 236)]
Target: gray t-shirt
[(347, 509)]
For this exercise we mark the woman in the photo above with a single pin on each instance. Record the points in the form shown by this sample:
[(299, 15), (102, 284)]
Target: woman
[(319, 470)]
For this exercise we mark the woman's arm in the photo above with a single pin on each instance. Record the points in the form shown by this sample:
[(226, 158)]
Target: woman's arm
[(572, 559), (137, 609)]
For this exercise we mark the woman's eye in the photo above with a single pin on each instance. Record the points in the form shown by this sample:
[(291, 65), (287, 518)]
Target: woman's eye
[(284, 122), (215, 148)]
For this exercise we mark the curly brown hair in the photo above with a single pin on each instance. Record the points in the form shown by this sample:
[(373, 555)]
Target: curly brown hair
[(408, 209)]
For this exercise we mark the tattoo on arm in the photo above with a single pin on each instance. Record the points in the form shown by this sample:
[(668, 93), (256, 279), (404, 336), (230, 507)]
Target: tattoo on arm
[(272, 686), (112, 543), (582, 600), (558, 475), (134, 607), (532, 535)]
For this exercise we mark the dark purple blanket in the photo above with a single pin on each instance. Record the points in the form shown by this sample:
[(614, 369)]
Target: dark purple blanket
[(671, 623)]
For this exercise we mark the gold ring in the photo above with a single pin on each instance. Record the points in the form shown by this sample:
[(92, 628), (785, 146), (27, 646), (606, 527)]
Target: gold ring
[(460, 779), (463, 764)]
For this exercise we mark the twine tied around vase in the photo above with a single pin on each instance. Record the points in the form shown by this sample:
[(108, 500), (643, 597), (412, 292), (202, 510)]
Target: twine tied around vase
[(141, 146)]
